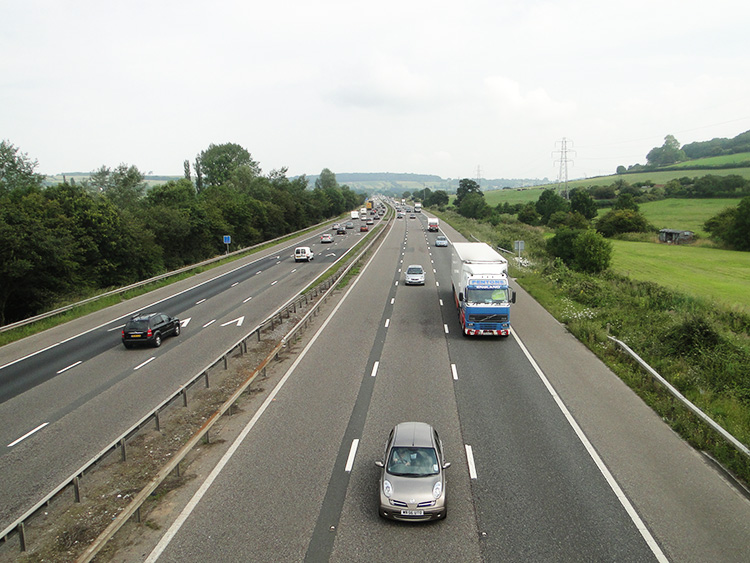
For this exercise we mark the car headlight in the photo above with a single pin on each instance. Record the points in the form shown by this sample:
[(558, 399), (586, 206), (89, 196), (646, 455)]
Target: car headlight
[(387, 488), (437, 490)]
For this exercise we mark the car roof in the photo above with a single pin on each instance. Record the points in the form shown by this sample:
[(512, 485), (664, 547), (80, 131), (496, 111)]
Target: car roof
[(413, 434)]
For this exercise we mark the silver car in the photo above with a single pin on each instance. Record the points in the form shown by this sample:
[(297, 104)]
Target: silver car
[(441, 240), (414, 275), (412, 481)]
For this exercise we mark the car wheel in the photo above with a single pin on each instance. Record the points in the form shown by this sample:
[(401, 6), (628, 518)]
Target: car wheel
[(177, 330), (157, 340)]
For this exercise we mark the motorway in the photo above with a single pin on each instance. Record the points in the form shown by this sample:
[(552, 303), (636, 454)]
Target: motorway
[(553, 458), (67, 393)]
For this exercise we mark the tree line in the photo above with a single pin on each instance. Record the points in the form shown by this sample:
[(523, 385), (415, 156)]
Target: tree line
[(68, 240)]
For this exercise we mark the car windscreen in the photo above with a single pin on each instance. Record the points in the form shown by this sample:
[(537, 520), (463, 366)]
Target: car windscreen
[(487, 296), (412, 462), (414, 270)]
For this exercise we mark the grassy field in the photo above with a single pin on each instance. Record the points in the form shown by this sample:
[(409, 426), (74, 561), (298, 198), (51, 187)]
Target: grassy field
[(723, 275), (684, 214), (513, 196), (717, 160)]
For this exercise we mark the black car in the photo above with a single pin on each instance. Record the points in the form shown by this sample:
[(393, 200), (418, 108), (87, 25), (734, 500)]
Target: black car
[(149, 328)]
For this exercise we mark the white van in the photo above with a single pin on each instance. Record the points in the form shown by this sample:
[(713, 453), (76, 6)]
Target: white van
[(303, 253)]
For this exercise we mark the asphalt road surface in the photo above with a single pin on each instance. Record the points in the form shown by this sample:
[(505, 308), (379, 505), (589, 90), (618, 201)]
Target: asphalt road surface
[(553, 458)]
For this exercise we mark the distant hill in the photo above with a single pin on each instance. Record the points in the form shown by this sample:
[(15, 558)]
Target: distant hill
[(369, 182), (398, 183)]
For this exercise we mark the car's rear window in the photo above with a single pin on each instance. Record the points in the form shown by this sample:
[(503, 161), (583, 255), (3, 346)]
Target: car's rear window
[(137, 325)]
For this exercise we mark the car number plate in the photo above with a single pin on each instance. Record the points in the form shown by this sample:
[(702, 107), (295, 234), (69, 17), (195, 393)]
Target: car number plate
[(412, 513), (135, 336)]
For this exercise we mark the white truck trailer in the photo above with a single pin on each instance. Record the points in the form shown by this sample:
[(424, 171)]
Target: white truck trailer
[(480, 289)]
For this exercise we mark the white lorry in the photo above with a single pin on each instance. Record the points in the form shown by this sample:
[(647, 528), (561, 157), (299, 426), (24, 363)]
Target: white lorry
[(355, 215), (480, 289), (433, 225)]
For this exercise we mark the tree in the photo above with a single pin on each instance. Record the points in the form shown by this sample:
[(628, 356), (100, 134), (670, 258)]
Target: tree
[(548, 203), (17, 169), (732, 226), (561, 245), (437, 198), (327, 179), (198, 174), (618, 221), (668, 153), (582, 202), (603, 192), (186, 168), (124, 186), (37, 254), (591, 252), (473, 206), (740, 232), (625, 201), (465, 187), (528, 214), (621, 169), (720, 226), (218, 162)]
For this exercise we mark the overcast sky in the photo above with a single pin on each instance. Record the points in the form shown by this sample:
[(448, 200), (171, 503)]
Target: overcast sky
[(431, 87)]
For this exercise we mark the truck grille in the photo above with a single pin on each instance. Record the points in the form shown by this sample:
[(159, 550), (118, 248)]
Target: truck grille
[(482, 318)]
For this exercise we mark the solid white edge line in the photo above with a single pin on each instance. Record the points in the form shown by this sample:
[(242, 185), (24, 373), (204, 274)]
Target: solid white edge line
[(22, 438), (352, 453), (177, 524), (374, 371), (619, 493), (470, 461)]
